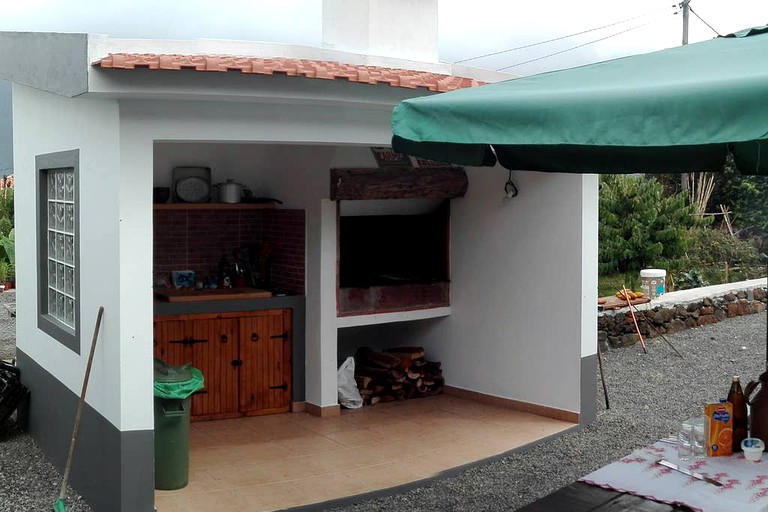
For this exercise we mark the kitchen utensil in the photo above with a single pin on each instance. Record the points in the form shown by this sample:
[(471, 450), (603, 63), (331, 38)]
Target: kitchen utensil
[(230, 192), (688, 472)]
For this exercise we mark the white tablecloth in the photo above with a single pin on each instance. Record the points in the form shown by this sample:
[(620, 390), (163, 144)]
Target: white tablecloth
[(745, 483)]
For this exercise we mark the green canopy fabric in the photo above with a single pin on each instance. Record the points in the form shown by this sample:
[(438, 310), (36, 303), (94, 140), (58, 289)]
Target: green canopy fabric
[(682, 109)]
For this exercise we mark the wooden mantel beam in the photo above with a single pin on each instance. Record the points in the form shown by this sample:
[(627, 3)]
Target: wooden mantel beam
[(398, 183)]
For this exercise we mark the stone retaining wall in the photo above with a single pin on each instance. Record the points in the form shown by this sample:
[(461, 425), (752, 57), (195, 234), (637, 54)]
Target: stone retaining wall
[(616, 328)]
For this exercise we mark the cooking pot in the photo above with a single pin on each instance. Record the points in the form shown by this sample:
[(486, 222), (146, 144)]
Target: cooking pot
[(230, 192)]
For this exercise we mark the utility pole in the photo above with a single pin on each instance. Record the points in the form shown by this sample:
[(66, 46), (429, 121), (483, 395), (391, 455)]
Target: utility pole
[(686, 12)]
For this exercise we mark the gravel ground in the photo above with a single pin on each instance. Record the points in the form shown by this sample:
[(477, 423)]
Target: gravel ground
[(649, 395)]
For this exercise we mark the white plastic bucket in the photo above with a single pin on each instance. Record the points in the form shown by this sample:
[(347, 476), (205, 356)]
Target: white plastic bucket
[(652, 281)]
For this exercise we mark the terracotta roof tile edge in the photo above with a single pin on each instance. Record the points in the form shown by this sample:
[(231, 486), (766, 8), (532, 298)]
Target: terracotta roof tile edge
[(325, 70)]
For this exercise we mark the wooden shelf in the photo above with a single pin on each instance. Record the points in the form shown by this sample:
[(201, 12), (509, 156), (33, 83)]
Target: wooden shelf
[(213, 206)]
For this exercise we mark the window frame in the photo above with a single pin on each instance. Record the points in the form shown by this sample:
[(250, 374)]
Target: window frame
[(66, 335)]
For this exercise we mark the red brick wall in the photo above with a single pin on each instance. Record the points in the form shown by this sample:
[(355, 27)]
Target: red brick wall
[(196, 239), (285, 231)]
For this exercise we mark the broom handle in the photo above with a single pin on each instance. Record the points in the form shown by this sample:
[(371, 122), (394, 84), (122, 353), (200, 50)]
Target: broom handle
[(63, 492)]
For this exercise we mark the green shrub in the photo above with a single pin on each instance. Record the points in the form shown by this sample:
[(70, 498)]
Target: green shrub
[(639, 225), (745, 196)]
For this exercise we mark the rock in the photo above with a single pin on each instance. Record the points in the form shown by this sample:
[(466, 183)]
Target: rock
[(707, 319), (730, 297), (731, 310), (707, 310), (758, 294)]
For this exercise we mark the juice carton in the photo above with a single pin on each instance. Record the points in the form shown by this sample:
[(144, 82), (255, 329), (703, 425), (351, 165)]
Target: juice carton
[(719, 425)]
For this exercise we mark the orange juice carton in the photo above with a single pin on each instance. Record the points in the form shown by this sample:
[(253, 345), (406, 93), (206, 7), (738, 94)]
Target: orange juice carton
[(719, 425)]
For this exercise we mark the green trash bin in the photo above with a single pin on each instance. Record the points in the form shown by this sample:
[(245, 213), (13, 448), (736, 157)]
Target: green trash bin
[(174, 386)]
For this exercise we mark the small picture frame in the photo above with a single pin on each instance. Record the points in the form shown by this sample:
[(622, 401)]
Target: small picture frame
[(386, 157), (183, 278)]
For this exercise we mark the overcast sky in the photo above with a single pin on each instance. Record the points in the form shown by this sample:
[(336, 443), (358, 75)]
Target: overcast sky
[(466, 28)]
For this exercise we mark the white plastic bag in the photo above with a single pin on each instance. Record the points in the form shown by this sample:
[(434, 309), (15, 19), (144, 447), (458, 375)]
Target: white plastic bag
[(349, 396)]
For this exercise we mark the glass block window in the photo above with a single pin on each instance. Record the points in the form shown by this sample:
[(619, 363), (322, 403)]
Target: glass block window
[(61, 245), (58, 241)]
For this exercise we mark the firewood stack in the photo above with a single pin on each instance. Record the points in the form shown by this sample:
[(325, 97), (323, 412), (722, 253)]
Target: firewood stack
[(396, 374)]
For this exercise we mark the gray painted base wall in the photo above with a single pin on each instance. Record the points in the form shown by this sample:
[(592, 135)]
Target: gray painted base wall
[(112, 470), (588, 390)]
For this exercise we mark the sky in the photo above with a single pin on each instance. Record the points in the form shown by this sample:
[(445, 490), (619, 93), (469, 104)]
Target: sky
[(466, 28)]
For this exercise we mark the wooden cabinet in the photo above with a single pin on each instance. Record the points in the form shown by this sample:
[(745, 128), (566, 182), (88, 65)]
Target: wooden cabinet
[(245, 358)]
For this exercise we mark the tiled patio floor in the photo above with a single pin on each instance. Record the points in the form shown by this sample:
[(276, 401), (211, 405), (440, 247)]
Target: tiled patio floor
[(286, 460)]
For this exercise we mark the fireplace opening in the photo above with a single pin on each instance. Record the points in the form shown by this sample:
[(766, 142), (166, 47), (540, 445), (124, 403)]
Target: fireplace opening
[(377, 250)]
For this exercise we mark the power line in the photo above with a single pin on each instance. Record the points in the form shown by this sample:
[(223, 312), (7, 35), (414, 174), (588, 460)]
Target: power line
[(581, 45), (702, 20), (565, 37)]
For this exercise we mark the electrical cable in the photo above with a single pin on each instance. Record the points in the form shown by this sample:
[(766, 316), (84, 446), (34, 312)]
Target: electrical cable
[(579, 46), (704, 22), (565, 37)]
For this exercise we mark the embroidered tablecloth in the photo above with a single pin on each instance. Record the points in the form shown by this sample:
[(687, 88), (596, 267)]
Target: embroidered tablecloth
[(745, 483)]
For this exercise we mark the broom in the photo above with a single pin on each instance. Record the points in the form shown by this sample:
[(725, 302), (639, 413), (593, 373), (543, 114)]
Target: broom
[(58, 505)]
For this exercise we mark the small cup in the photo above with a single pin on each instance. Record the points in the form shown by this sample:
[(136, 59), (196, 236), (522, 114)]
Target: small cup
[(685, 440), (753, 448), (699, 439)]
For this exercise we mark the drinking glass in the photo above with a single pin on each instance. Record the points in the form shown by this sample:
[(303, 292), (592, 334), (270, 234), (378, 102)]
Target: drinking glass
[(699, 439), (685, 440)]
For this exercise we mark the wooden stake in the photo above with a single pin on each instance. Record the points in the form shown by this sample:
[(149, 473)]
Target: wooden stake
[(631, 311), (602, 377), (659, 333)]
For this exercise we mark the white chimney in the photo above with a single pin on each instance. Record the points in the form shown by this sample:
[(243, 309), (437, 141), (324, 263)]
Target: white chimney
[(402, 29)]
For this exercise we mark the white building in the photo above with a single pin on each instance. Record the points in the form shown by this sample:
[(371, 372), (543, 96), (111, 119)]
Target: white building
[(112, 122)]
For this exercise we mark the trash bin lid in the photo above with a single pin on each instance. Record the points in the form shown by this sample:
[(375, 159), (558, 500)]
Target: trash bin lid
[(165, 372)]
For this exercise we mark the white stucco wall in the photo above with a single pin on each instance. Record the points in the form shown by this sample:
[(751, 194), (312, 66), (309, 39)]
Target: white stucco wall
[(523, 291), (45, 123)]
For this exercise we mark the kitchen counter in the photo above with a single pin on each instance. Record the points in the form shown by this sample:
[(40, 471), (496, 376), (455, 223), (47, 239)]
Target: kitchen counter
[(294, 302)]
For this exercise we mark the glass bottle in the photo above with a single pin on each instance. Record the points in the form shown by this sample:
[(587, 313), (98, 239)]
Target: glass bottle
[(736, 397)]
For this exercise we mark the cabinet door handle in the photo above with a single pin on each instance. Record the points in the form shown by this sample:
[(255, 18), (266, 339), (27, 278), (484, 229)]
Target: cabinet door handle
[(283, 336), (283, 386), (224, 338), (254, 336)]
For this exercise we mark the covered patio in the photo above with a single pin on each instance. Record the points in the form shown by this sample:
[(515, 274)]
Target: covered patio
[(287, 460)]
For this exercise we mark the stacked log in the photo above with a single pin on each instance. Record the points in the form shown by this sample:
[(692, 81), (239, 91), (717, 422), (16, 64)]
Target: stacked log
[(396, 374)]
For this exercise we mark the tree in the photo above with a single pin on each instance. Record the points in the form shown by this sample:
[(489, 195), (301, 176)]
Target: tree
[(639, 225), (745, 196)]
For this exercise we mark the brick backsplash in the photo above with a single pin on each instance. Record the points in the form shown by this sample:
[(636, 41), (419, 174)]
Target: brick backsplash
[(196, 240)]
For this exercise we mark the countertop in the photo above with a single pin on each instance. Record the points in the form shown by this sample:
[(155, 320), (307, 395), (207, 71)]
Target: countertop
[(295, 302)]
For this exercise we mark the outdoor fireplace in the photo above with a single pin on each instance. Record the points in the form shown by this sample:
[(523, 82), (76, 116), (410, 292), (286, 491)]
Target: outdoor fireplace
[(381, 250), (394, 237), (393, 262)]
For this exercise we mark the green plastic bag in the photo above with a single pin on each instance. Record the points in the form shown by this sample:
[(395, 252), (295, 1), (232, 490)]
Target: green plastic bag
[(176, 381)]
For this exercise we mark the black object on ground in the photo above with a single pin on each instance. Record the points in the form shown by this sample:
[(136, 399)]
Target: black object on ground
[(14, 395)]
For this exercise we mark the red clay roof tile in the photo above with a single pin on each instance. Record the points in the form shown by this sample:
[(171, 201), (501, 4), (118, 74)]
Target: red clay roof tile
[(326, 70)]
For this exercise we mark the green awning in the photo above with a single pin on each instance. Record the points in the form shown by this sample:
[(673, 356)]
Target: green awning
[(683, 109)]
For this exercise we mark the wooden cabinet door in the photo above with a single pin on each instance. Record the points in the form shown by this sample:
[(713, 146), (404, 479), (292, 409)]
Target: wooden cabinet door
[(168, 343), (211, 346), (214, 350), (265, 352)]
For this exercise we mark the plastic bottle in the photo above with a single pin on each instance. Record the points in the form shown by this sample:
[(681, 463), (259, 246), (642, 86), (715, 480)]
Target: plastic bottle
[(736, 397)]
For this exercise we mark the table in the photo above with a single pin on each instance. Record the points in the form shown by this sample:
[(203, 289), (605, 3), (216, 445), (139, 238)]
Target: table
[(581, 497)]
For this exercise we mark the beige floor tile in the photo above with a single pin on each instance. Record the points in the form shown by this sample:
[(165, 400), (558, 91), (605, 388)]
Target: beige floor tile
[(279, 461), (199, 481), (231, 477), (383, 475), (357, 437), (167, 504), (310, 444)]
